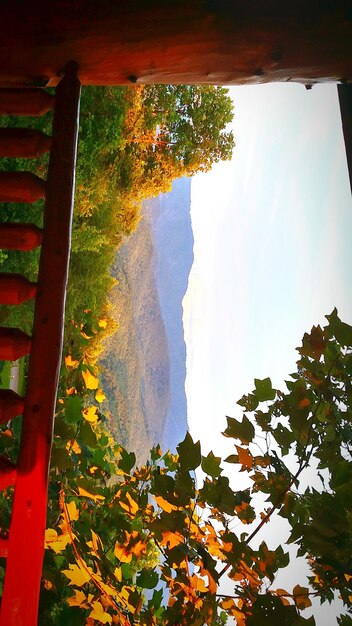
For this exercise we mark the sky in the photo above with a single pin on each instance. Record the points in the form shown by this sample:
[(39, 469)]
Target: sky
[(272, 251)]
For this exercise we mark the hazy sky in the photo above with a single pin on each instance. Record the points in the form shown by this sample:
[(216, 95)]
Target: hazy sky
[(273, 251)]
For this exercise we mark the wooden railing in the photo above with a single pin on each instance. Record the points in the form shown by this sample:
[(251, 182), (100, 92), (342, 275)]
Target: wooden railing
[(24, 545)]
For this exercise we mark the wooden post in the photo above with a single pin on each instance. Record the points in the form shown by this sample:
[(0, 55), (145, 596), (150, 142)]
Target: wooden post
[(174, 41), (26, 539)]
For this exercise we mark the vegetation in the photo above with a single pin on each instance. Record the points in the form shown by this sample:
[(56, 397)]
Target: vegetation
[(149, 545)]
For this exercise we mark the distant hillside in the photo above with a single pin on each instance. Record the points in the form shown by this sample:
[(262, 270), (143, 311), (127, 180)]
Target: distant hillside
[(170, 221), (144, 363)]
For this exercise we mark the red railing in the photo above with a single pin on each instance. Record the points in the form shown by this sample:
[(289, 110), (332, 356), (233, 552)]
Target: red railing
[(24, 546)]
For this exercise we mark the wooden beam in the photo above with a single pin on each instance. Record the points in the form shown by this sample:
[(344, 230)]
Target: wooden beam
[(159, 41), (345, 98)]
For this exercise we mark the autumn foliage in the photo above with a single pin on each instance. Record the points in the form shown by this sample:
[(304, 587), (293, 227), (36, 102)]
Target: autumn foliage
[(151, 544)]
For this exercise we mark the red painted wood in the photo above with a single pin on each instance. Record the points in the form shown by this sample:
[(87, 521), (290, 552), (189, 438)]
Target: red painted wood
[(26, 539), (174, 41), (23, 142), (32, 102), (14, 343), (15, 289), (11, 405), (4, 544), (17, 236), (8, 472), (21, 187)]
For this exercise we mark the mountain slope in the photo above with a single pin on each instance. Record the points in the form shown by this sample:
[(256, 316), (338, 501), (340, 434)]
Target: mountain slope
[(144, 363)]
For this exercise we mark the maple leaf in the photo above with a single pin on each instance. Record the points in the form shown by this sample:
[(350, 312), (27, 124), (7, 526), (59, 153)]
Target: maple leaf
[(76, 575), (165, 505), (79, 599), (244, 457), (86, 494), (99, 613), (132, 506), (100, 395), (70, 362), (57, 543), (91, 381), (90, 414)]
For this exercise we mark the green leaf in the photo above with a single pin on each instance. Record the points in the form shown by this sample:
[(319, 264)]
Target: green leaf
[(61, 460), (341, 330), (264, 390), (211, 465), (244, 431), (73, 409), (249, 402), (127, 460), (189, 453), (147, 578)]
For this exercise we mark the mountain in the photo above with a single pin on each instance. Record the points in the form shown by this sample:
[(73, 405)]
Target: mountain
[(144, 365)]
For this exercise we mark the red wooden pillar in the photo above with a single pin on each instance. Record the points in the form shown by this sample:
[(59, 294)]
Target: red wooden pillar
[(26, 538)]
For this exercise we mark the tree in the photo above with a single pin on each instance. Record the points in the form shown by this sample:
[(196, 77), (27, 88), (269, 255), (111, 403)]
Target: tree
[(178, 130), (102, 530)]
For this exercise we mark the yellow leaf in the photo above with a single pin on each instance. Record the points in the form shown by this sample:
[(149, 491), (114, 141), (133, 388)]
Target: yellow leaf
[(99, 614), (131, 507), (56, 542), (91, 381), (76, 575), (96, 543), (74, 446), (92, 496), (90, 414), (72, 511), (103, 323), (171, 539), (122, 553), (79, 599), (118, 574), (198, 584), (70, 362), (100, 395), (165, 505)]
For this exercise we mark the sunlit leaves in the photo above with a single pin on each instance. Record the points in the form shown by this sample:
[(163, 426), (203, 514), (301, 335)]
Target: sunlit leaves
[(91, 381), (160, 523)]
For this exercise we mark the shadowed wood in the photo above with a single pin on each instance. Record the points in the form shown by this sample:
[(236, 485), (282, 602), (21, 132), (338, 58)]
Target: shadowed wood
[(32, 102), (23, 142), (15, 289), (17, 236), (21, 187), (160, 41), (11, 405), (14, 343)]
